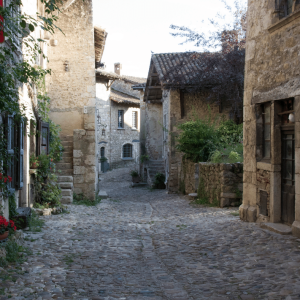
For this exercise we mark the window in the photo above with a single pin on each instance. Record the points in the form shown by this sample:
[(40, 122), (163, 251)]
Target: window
[(127, 151), (284, 7), (267, 130), (43, 138), (165, 127), (134, 119), (120, 118), (103, 132), (102, 152), (98, 117)]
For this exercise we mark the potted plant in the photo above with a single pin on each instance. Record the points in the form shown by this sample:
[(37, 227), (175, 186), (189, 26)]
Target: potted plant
[(135, 176), (33, 162), (6, 227)]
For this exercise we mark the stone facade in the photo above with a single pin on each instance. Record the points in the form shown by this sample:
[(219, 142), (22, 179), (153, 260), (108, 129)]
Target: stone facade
[(220, 184), (72, 90), (271, 78), (111, 138)]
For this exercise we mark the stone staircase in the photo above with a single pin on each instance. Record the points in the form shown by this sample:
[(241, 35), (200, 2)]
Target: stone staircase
[(65, 176), (154, 167)]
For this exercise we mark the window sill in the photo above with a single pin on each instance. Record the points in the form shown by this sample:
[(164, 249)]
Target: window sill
[(267, 166), (121, 128), (295, 15), (127, 158), (134, 129)]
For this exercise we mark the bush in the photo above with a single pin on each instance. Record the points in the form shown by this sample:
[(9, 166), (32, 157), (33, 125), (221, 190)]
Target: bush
[(80, 199), (159, 181), (202, 140)]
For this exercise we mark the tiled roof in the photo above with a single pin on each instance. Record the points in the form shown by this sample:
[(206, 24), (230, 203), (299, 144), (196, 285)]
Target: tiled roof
[(181, 66), (109, 75), (134, 80), (120, 97)]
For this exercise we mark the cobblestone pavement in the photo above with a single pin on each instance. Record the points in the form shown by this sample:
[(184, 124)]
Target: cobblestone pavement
[(142, 244)]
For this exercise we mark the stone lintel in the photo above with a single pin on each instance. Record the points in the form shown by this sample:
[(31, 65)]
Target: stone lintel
[(268, 167)]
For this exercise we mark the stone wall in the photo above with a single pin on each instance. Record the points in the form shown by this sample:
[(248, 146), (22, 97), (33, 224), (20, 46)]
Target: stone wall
[(193, 104), (154, 130), (85, 158), (220, 184), (71, 85), (271, 74), (127, 135)]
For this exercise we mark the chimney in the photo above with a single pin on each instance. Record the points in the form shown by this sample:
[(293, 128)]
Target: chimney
[(118, 68)]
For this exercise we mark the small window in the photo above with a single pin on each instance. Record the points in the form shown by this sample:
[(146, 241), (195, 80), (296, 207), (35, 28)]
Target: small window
[(120, 118), (134, 119), (165, 127), (267, 130), (102, 152), (98, 117), (284, 7), (127, 151), (103, 132)]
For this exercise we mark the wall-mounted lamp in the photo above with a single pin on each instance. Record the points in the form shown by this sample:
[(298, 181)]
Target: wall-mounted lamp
[(292, 118), (66, 64)]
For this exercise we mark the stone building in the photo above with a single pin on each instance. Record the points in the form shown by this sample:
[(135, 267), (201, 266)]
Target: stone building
[(118, 110), (272, 114), (71, 87), (163, 107)]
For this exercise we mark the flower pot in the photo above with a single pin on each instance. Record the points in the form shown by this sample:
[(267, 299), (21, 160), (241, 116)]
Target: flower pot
[(33, 166), (4, 235), (136, 179)]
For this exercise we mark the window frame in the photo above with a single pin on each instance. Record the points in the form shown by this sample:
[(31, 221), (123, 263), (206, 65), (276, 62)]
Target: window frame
[(130, 151), (121, 122), (265, 106), (134, 120)]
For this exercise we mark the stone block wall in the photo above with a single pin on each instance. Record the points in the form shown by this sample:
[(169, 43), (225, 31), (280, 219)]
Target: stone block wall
[(71, 85), (193, 104), (85, 158), (221, 184)]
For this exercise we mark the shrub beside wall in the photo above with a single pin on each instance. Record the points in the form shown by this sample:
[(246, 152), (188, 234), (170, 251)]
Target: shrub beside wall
[(218, 184)]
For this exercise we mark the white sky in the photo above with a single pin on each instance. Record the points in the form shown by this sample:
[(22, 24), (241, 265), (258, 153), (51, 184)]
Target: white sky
[(137, 27)]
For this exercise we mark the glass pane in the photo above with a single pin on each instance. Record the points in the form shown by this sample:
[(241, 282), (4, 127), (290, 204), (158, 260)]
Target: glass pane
[(267, 113), (267, 132), (289, 6), (267, 149), (289, 149), (44, 136), (288, 170)]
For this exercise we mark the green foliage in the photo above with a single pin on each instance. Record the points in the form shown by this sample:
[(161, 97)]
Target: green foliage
[(12, 205), (80, 199), (103, 159), (198, 138), (144, 158), (35, 223), (202, 140), (159, 181), (134, 173)]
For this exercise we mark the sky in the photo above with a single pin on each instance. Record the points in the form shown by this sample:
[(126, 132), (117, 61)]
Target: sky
[(138, 27)]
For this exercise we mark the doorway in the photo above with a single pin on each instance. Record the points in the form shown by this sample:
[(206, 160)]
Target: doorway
[(287, 163)]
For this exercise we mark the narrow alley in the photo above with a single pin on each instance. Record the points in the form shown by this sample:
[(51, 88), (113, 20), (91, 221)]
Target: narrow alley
[(147, 244)]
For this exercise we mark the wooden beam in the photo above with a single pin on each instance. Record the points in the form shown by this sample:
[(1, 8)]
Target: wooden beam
[(154, 87)]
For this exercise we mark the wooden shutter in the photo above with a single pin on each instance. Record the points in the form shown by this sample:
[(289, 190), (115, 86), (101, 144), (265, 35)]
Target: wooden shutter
[(10, 164), (43, 138), (20, 156)]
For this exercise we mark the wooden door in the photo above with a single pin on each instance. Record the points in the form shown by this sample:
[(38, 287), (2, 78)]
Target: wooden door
[(288, 177)]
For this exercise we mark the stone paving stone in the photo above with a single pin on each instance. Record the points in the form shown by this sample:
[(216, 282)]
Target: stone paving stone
[(142, 244)]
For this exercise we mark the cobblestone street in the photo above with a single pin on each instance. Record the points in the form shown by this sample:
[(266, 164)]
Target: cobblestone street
[(143, 244)]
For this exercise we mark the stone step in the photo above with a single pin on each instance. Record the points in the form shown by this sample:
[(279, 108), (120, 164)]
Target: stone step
[(102, 195), (68, 172), (64, 137), (277, 227), (66, 192), (67, 143), (67, 154), (68, 148), (66, 185), (66, 199), (64, 166), (65, 178), (67, 159)]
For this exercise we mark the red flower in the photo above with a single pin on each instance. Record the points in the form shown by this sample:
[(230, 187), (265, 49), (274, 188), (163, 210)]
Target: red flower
[(9, 179), (1, 176), (51, 159), (5, 179)]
